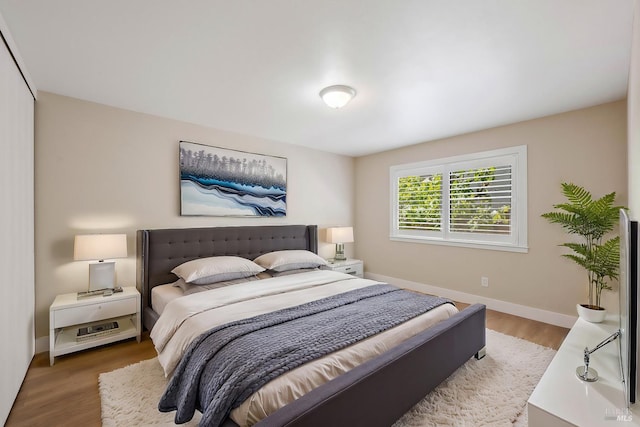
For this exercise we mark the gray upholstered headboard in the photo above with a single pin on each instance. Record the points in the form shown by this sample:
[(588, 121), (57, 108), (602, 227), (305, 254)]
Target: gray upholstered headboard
[(159, 251)]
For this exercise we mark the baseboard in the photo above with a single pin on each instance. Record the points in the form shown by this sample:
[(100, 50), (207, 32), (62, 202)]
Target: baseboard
[(527, 312)]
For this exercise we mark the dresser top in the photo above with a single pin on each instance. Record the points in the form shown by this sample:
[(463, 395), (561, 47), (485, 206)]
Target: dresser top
[(71, 299)]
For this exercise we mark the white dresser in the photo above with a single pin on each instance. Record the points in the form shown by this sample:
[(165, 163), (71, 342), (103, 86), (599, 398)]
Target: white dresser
[(562, 399)]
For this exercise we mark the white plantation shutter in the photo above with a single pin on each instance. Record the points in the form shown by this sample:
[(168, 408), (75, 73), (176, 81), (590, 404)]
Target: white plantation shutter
[(476, 200), (480, 200), (414, 212)]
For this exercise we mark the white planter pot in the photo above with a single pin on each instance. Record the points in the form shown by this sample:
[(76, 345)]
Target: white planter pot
[(591, 315)]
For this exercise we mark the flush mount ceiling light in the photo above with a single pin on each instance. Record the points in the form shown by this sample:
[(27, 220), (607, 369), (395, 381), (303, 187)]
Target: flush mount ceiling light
[(337, 96)]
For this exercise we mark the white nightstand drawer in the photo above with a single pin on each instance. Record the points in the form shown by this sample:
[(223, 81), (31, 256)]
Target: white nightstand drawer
[(99, 311), (355, 269)]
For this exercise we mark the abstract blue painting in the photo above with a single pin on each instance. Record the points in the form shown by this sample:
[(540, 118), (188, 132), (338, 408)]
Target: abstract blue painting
[(217, 181)]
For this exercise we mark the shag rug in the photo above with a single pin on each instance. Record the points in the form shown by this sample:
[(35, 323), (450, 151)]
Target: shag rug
[(489, 392)]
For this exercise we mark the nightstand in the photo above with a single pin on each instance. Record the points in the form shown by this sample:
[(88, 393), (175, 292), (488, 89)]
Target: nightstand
[(354, 267), (68, 314)]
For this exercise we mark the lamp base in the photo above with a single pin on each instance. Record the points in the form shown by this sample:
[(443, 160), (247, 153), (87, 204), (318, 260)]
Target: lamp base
[(587, 374), (340, 252), (102, 275)]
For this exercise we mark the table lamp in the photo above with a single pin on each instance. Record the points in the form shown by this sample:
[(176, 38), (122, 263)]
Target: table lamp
[(96, 248), (340, 236)]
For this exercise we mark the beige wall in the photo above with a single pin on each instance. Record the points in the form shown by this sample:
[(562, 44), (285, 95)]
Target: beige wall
[(104, 169), (587, 147)]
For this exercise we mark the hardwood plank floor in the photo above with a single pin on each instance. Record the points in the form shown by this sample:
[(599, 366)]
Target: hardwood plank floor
[(538, 332), (66, 394)]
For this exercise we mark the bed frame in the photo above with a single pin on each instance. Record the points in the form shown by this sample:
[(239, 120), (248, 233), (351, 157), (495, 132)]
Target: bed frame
[(376, 393)]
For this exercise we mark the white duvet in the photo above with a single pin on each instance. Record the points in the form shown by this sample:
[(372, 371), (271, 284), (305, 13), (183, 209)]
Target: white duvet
[(184, 318)]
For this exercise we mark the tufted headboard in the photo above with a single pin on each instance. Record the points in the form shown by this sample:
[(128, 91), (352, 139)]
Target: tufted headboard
[(159, 251)]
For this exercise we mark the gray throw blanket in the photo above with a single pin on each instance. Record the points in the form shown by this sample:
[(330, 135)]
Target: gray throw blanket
[(227, 364)]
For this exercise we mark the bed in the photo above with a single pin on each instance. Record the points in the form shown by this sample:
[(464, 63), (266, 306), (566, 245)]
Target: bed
[(349, 398)]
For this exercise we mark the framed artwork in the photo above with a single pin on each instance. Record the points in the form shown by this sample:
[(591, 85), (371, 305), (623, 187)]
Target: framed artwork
[(217, 181)]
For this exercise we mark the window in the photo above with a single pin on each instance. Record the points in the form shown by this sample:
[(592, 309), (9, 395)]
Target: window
[(476, 200)]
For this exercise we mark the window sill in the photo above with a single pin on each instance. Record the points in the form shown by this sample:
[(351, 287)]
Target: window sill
[(462, 244)]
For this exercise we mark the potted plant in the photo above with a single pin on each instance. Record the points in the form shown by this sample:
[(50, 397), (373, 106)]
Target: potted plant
[(592, 220)]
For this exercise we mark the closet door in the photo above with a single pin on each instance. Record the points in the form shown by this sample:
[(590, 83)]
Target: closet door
[(17, 288)]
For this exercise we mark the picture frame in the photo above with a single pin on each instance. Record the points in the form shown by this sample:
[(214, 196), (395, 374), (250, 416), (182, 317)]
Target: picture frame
[(216, 181)]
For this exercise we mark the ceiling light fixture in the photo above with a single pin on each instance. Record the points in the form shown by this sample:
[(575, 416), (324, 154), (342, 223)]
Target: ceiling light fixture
[(337, 96)]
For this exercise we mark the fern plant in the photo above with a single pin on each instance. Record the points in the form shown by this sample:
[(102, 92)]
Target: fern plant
[(593, 220)]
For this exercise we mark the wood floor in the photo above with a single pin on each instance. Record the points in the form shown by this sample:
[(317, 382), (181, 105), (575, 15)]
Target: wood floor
[(66, 394)]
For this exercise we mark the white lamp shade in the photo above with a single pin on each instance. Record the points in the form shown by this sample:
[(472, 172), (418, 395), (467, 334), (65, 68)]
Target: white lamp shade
[(340, 235), (337, 96), (92, 247)]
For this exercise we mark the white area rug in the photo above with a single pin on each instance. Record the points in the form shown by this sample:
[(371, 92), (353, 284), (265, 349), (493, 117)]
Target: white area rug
[(489, 392)]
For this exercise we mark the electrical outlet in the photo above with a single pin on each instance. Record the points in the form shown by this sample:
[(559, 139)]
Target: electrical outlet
[(484, 281)]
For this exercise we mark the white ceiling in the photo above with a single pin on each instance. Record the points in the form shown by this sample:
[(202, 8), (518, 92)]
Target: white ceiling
[(423, 69)]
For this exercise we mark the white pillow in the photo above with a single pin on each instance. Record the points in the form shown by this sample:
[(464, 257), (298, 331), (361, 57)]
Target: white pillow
[(204, 271), (289, 260), (274, 273), (190, 288)]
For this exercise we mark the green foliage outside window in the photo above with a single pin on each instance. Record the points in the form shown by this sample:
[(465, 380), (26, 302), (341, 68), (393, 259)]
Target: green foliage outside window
[(420, 202), (480, 201)]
